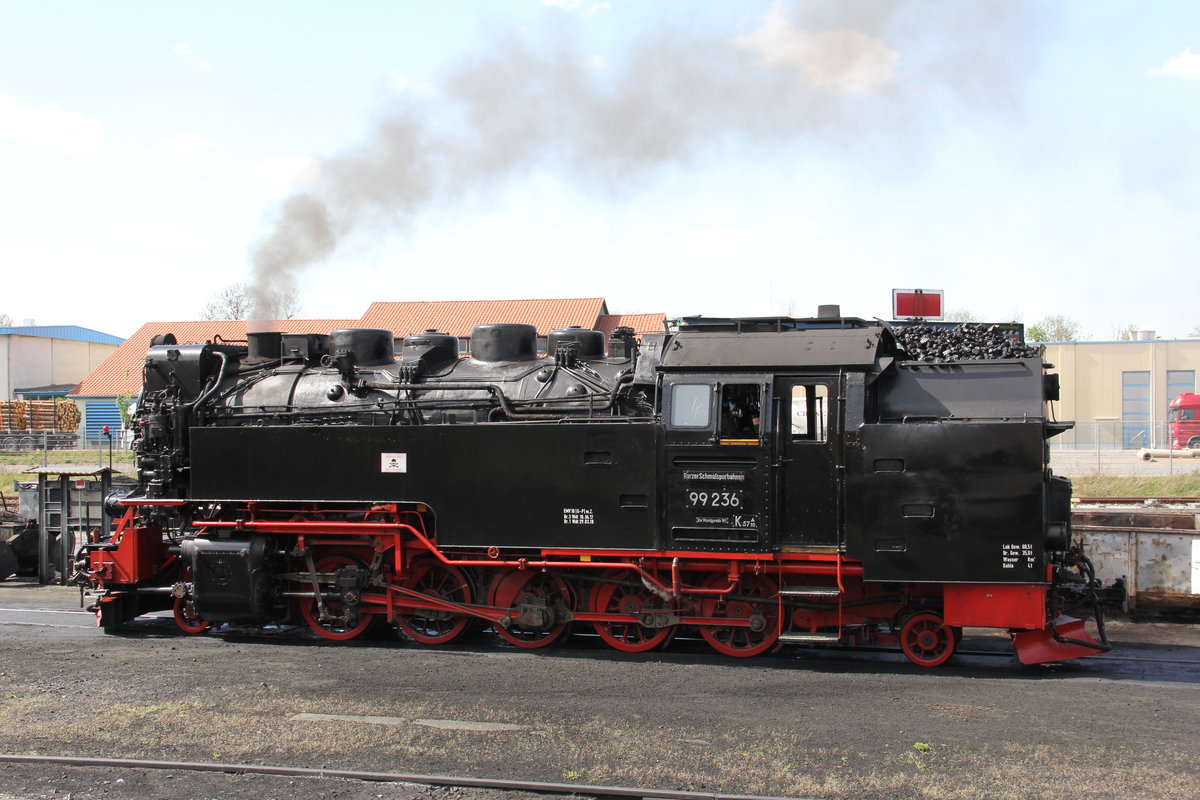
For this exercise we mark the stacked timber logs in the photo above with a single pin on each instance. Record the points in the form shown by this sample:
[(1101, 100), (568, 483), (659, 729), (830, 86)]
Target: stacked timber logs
[(39, 415), (967, 342), (66, 415)]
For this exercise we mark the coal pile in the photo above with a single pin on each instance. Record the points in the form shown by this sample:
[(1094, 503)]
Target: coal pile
[(970, 341)]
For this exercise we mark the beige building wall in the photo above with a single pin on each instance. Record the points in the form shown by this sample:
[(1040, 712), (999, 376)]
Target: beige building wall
[(70, 361), (1092, 379), (29, 361)]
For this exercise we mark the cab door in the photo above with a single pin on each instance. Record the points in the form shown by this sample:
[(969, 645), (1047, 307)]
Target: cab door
[(807, 425), (717, 462)]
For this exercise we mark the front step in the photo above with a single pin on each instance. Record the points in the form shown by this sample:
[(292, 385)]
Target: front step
[(795, 637), (810, 591)]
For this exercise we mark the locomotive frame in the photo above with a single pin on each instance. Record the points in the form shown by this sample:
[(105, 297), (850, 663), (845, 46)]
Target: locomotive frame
[(762, 482)]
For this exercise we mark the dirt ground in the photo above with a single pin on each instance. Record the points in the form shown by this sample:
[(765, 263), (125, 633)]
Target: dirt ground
[(800, 723)]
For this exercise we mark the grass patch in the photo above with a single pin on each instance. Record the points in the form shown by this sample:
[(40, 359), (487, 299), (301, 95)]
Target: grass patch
[(23, 459), (1184, 485), (13, 463)]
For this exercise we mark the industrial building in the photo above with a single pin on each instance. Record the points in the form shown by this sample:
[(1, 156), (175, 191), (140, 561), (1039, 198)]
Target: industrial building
[(1118, 392), (42, 362)]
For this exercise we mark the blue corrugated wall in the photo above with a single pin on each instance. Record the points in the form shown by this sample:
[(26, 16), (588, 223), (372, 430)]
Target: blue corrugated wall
[(99, 413)]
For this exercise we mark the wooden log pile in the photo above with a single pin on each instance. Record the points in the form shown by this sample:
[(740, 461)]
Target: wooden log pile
[(39, 415)]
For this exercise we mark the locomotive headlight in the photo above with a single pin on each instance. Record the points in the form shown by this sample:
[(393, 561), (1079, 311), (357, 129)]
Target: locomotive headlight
[(112, 502), (1058, 536)]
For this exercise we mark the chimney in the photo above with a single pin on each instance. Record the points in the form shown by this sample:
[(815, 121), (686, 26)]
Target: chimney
[(829, 312)]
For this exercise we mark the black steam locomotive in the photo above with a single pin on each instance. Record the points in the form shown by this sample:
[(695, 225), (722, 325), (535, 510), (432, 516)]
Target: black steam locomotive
[(758, 482)]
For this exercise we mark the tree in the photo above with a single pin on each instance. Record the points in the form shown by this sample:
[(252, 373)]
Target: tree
[(5, 320), (1195, 334), (961, 315), (235, 302), (1054, 328), (1125, 333), (232, 302)]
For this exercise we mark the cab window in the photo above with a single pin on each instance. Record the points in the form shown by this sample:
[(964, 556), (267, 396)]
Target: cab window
[(810, 413), (691, 405), (741, 410)]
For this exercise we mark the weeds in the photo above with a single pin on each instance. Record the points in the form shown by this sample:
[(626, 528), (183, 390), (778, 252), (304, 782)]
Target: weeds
[(1183, 485)]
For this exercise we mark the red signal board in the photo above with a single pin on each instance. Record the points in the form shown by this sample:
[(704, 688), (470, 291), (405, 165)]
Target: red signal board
[(917, 304)]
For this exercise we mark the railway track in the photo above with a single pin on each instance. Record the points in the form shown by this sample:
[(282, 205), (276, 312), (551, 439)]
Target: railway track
[(499, 784), (1164, 501), (578, 643)]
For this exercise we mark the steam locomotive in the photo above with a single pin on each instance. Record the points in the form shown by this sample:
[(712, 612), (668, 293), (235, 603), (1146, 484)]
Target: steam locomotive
[(758, 482)]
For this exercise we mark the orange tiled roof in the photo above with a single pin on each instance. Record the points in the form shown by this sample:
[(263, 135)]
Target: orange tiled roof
[(641, 323), (121, 373), (457, 316)]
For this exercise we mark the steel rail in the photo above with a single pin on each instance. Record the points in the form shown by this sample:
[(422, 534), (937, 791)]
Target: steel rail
[(538, 787), (1133, 501)]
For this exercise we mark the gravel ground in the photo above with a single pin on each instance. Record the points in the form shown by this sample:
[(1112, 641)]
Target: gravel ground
[(814, 724), (1073, 463), (25, 782)]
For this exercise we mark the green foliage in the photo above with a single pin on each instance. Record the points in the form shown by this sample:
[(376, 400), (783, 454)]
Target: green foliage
[(123, 403), (1054, 328)]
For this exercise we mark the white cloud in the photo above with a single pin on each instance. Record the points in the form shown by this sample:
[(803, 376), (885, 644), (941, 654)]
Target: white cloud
[(185, 144), (184, 50), (50, 126), (283, 170), (843, 61), (1186, 65), (400, 82), (712, 243), (584, 8)]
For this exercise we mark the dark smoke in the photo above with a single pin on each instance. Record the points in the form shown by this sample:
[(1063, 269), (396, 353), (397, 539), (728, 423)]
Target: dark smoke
[(303, 235), (843, 73)]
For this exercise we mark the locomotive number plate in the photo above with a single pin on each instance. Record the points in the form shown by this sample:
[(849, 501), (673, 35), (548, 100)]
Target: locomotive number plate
[(714, 499)]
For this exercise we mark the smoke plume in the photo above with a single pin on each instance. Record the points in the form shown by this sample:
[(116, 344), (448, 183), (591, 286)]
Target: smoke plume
[(842, 73)]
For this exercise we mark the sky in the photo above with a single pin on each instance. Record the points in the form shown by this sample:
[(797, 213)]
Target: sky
[(692, 157)]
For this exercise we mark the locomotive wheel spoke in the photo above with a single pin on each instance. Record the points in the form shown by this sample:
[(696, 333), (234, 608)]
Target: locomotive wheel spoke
[(926, 640), (532, 598), (187, 619), (444, 582), (630, 637), (753, 600), (337, 627)]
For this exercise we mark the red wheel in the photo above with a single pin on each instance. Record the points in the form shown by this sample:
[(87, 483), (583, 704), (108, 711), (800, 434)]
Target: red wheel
[(631, 637), (339, 625), (535, 599), (187, 619), (443, 582), (926, 641), (753, 600)]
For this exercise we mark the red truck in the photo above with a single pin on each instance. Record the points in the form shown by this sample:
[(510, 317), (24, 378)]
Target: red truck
[(1183, 421)]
